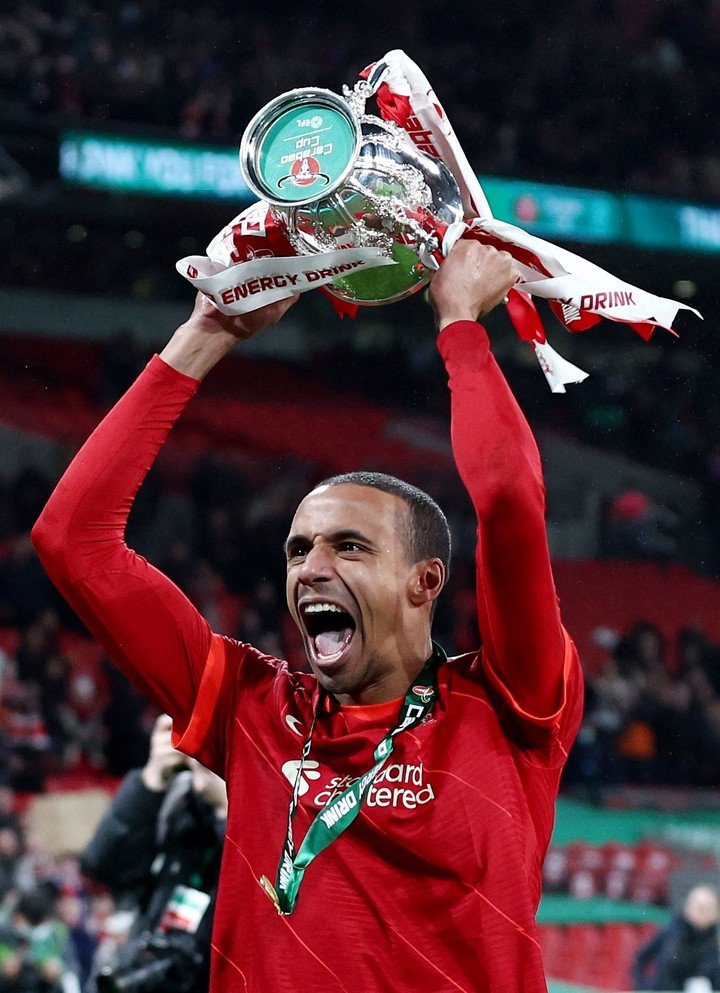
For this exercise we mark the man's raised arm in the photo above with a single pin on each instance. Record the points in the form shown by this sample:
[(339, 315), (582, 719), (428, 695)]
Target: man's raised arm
[(142, 620), (499, 463)]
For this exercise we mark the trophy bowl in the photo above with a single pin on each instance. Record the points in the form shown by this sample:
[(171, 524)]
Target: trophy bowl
[(337, 178)]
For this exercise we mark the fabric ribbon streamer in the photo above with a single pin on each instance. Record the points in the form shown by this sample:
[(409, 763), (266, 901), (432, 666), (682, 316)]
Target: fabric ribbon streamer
[(578, 292), (251, 262)]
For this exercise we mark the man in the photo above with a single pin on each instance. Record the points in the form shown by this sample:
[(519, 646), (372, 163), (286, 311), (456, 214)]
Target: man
[(685, 948), (425, 788), (159, 845)]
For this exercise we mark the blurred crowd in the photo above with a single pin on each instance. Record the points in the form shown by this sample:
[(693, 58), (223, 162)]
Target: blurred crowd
[(661, 411), (590, 91), (53, 921), (652, 713)]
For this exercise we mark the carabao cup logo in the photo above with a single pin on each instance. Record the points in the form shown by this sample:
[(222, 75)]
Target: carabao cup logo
[(425, 693), (305, 172)]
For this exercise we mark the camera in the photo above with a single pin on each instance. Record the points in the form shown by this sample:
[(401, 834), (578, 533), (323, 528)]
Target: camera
[(163, 960)]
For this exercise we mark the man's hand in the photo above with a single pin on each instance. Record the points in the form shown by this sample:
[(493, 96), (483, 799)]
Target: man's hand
[(210, 787), (208, 318), (208, 334), (472, 280), (164, 760)]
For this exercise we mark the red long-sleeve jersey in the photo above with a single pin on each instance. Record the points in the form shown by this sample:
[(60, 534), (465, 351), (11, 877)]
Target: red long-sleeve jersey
[(435, 886)]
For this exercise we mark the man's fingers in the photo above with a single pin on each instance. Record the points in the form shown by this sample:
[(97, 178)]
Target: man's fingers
[(472, 280)]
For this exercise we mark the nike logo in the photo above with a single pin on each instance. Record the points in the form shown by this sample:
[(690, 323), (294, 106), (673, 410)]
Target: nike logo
[(293, 723)]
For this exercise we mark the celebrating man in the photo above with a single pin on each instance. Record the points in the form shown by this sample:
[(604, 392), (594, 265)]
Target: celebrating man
[(389, 812)]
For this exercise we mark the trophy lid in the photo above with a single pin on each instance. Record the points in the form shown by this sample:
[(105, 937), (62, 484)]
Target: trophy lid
[(300, 147)]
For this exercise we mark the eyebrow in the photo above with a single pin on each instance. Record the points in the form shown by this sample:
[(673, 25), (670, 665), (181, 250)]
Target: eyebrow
[(346, 534)]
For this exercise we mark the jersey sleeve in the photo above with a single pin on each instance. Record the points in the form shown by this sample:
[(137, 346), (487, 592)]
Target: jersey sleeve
[(235, 680), (142, 620), (525, 652)]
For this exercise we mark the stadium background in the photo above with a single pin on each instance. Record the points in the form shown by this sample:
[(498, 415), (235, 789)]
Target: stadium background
[(593, 124)]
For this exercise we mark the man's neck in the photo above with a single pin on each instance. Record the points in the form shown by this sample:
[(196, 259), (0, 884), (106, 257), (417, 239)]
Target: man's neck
[(388, 686)]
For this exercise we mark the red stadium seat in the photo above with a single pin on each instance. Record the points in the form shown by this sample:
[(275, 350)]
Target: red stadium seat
[(598, 955)]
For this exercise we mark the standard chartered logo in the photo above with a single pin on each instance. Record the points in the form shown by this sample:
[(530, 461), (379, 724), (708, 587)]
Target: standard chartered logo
[(400, 784), (290, 771)]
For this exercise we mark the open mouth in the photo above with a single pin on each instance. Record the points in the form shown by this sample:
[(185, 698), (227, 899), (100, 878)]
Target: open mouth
[(329, 628)]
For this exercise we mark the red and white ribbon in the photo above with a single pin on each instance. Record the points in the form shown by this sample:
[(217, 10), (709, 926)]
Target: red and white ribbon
[(579, 292)]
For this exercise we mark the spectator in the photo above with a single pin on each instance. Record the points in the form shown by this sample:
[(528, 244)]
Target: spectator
[(36, 954), (72, 911), (25, 735), (685, 948)]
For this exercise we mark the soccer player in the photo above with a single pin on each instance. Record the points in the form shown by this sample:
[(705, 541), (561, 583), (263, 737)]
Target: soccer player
[(389, 811)]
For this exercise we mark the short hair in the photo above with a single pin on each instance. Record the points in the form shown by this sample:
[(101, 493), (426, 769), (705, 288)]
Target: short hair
[(37, 904), (425, 533)]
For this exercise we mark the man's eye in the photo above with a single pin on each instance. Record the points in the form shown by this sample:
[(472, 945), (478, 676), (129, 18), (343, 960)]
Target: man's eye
[(350, 546), (296, 553)]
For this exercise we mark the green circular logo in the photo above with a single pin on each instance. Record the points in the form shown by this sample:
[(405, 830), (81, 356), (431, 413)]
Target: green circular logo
[(305, 152)]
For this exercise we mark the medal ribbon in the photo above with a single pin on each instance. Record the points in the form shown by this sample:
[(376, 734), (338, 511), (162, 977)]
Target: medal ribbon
[(339, 813)]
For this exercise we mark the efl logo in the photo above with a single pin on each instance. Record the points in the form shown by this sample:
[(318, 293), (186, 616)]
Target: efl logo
[(313, 122)]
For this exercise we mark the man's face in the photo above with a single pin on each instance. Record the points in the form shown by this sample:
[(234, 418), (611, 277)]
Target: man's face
[(347, 586), (701, 907)]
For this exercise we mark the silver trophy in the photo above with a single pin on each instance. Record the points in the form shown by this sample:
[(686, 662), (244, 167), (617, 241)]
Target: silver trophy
[(337, 177)]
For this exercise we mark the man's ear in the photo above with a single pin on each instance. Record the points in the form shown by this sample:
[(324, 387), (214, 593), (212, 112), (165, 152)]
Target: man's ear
[(426, 581)]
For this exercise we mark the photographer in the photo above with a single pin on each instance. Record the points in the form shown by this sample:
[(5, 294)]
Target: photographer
[(160, 843)]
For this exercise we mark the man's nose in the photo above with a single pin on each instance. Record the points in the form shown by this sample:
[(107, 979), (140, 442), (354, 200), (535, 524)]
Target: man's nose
[(317, 566)]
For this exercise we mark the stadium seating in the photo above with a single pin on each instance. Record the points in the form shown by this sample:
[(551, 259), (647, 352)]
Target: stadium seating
[(639, 873), (597, 955)]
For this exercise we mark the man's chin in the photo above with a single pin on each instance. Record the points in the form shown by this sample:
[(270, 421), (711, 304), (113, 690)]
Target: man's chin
[(335, 674), (330, 664)]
